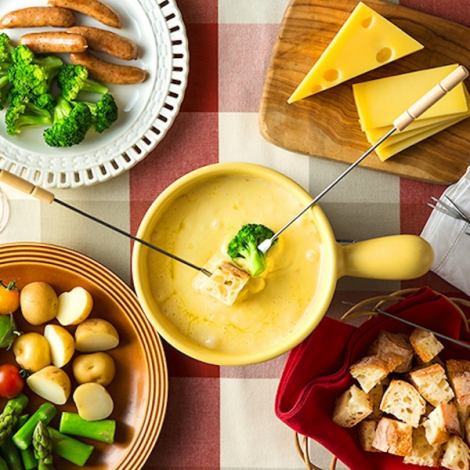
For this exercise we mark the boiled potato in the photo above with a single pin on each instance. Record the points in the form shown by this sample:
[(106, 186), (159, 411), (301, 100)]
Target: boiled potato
[(95, 335), (74, 306), (61, 343), (32, 351), (97, 367), (93, 402), (38, 302), (52, 384)]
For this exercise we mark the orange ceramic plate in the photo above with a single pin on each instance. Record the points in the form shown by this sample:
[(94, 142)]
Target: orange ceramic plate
[(140, 387)]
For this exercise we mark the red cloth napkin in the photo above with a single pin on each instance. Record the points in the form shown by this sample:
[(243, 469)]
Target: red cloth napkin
[(316, 373)]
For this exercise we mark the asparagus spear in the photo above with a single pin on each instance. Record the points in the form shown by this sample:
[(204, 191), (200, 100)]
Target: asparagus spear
[(11, 455), (42, 445), (3, 464), (103, 431), (24, 436), (27, 456), (69, 448), (10, 415)]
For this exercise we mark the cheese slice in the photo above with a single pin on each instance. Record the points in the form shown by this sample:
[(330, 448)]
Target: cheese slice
[(365, 42), (380, 102), (373, 135), (386, 151), (378, 132)]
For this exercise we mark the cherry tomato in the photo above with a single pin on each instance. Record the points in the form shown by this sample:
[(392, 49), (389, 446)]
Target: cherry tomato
[(9, 298), (11, 382)]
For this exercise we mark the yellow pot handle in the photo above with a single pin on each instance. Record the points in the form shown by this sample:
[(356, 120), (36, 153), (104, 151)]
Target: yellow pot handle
[(398, 257)]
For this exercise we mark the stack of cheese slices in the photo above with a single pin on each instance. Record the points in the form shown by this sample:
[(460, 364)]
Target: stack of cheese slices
[(379, 102), (365, 42), (409, 403)]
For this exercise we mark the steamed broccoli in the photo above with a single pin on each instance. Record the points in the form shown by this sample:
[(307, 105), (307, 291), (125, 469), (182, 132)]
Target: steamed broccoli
[(5, 59), (31, 77), (104, 112), (243, 248), (5, 49), (73, 79), (71, 123), (22, 114)]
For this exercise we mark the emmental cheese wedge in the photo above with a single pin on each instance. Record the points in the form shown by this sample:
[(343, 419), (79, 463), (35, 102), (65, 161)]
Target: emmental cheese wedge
[(380, 102), (365, 42)]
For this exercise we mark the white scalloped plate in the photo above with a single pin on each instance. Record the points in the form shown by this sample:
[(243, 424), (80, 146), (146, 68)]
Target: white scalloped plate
[(147, 110)]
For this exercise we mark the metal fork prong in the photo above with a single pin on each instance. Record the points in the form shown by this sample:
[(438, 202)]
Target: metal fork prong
[(443, 210), (449, 210), (457, 208)]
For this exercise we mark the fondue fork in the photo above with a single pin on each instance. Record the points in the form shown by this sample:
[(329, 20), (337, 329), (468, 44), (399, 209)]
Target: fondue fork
[(400, 124), (463, 344), (48, 198)]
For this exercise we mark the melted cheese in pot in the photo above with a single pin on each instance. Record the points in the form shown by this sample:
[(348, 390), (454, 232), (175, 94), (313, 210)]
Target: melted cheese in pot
[(199, 225)]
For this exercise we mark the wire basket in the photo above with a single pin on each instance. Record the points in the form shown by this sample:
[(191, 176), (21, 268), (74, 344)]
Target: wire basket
[(366, 308)]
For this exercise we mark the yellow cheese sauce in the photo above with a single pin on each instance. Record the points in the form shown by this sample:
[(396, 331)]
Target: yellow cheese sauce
[(198, 226)]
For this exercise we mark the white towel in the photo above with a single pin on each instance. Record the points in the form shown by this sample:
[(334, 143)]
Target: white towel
[(448, 238)]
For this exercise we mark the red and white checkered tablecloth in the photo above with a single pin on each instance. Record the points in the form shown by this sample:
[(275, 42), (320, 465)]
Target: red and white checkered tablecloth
[(222, 417)]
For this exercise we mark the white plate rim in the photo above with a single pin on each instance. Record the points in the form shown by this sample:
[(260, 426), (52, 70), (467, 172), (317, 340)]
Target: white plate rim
[(139, 146)]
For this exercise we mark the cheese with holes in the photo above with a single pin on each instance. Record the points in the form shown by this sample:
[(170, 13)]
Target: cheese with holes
[(365, 42), (380, 102)]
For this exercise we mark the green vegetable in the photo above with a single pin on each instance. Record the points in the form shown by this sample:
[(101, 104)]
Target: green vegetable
[(24, 436), (21, 114), (3, 464), (104, 112), (42, 445), (69, 448), (8, 331), (5, 60), (27, 456), (103, 431), (73, 79), (71, 124), (10, 415), (11, 455), (243, 248)]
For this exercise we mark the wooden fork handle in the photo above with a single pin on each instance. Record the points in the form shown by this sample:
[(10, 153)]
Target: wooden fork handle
[(431, 97), (26, 187)]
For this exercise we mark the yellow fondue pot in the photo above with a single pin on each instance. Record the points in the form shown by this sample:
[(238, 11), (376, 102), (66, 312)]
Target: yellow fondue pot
[(398, 257)]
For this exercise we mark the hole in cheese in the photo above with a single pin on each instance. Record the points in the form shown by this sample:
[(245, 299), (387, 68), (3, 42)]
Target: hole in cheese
[(331, 75), (316, 88), (367, 22), (384, 55)]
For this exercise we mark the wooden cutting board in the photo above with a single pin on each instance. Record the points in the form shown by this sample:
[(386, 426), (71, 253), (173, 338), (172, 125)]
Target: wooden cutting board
[(326, 125)]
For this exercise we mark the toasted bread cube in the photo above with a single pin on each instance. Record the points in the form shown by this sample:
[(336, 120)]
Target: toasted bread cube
[(375, 398), (351, 407), (441, 423), (394, 343), (394, 437), (425, 344), (404, 402), (456, 454), (423, 453), (432, 383), (467, 430), (225, 284), (369, 372), (459, 376), (367, 434)]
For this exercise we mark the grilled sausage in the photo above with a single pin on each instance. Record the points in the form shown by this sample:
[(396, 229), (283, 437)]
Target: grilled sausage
[(93, 8), (38, 17), (110, 43), (46, 42), (108, 72)]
